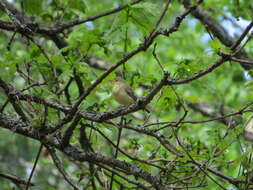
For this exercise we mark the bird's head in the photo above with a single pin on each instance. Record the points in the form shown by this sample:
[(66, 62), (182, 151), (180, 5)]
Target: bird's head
[(116, 80)]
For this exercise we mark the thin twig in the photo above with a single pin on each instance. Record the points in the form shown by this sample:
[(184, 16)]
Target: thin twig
[(59, 28), (15, 179), (34, 166), (58, 164), (157, 59), (122, 124)]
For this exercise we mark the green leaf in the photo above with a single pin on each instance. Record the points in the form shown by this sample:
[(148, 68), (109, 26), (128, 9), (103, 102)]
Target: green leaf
[(143, 15), (215, 44), (78, 5), (116, 33), (33, 7)]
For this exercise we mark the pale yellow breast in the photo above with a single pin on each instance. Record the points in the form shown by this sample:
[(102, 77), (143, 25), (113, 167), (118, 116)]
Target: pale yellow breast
[(121, 96)]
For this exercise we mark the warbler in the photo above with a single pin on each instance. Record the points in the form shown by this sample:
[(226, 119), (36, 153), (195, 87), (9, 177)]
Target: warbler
[(124, 94), (248, 131)]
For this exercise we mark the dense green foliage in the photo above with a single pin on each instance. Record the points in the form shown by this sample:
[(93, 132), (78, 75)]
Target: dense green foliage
[(48, 53)]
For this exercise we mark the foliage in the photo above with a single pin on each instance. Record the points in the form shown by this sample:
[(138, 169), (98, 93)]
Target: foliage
[(57, 61)]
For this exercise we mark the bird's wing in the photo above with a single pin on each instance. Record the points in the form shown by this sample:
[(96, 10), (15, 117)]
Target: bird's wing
[(130, 92), (149, 108)]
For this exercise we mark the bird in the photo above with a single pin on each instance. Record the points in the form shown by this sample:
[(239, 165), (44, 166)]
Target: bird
[(124, 94), (248, 131)]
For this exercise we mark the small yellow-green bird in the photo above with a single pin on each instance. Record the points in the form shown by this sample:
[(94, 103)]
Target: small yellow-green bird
[(248, 131), (124, 94)]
